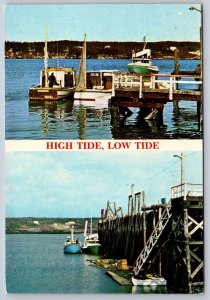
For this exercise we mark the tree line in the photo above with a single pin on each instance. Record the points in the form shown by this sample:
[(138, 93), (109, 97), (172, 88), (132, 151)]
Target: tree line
[(95, 49)]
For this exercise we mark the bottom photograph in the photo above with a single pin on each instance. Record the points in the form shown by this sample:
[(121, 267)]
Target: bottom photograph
[(109, 222)]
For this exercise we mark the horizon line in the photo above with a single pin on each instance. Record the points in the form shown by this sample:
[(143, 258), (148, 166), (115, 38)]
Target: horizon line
[(160, 41)]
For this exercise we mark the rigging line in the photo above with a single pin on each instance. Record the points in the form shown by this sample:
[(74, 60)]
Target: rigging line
[(160, 171), (186, 155), (168, 167)]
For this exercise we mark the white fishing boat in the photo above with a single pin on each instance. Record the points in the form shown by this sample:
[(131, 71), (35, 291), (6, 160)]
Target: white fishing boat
[(91, 242), (94, 88), (55, 83), (142, 62), (149, 281)]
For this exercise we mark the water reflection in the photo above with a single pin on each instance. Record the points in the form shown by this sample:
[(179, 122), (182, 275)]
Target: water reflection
[(64, 120), (68, 121), (185, 121), (137, 127), (52, 114)]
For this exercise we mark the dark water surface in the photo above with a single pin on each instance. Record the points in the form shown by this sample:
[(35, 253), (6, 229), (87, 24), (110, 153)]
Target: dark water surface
[(64, 120), (35, 263)]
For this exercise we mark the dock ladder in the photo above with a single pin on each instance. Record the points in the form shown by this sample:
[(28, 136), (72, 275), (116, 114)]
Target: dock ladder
[(155, 235)]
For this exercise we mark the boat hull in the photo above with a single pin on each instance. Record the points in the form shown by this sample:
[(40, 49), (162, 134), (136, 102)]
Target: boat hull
[(93, 249), (97, 98), (142, 70), (72, 248), (50, 94), (154, 281)]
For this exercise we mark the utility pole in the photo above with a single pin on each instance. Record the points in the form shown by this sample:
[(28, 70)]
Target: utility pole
[(182, 167), (201, 36)]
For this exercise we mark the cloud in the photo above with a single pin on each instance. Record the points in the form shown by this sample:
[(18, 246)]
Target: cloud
[(63, 184)]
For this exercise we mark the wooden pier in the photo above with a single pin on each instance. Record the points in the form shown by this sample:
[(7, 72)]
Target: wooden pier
[(151, 92), (166, 239)]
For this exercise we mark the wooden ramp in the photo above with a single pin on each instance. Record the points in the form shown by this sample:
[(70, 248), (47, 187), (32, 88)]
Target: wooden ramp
[(153, 240)]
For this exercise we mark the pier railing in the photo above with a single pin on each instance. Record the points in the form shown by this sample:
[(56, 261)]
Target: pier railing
[(187, 189), (166, 82)]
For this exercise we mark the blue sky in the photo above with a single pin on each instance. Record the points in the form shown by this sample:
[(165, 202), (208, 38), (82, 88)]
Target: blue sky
[(103, 22), (70, 184)]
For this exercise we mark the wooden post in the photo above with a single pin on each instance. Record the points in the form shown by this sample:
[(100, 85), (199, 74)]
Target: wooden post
[(171, 89), (129, 200), (138, 195), (187, 248), (160, 263), (198, 110), (154, 221), (176, 104), (140, 88), (144, 218), (176, 63), (115, 210), (102, 214), (115, 112), (113, 84), (132, 200)]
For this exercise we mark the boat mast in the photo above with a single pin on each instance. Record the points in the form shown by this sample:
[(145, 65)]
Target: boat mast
[(81, 85), (91, 223), (85, 230), (72, 233), (45, 60)]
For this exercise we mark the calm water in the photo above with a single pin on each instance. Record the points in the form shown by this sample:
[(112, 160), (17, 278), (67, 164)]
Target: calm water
[(67, 121), (35, 263)]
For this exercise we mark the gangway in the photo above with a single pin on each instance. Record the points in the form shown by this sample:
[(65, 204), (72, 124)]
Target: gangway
[(153, 239)]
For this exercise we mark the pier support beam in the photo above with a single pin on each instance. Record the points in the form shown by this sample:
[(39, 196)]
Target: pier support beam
[(176, 104)]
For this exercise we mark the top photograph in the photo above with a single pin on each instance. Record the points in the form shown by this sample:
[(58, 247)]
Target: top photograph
[(103, 71)]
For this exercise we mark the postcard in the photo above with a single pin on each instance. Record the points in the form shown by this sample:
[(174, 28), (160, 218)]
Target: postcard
[(104, 148)]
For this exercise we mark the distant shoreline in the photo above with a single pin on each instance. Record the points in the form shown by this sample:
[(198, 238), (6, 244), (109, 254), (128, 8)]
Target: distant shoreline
[(30, 225), (47, 232), (101, 50)]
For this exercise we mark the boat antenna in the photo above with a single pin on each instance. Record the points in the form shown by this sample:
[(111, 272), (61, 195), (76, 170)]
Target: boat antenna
[(144, 36), (144, 40), (46, 58), (91, 223), (57, 56)]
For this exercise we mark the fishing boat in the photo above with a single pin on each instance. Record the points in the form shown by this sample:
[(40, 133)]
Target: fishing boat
[(55, 83), (150, 280), (71, 245), (142, 62), (91, 242), (94, 88)]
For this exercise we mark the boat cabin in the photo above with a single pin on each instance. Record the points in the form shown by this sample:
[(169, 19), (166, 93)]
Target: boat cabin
[(64, 77), (100, 79), (143, 57)]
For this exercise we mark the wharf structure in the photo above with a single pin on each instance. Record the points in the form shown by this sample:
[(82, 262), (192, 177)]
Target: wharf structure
[(165, 239), (151, 92)]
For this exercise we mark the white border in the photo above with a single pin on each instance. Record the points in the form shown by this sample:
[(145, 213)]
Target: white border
[(206, 14)]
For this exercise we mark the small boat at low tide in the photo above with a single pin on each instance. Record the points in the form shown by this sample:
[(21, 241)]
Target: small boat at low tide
[(150, 280), (71, 245), (55, 83), (91, 242), (142, 62)]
